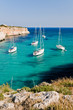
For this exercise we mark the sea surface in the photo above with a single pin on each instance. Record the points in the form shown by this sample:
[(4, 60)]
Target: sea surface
[(23, 69)]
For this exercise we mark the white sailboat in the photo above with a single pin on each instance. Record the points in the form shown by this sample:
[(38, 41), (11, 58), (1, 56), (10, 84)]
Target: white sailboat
[(13, 48), (41, 49), (35, 42), (43, 34), (59, 46)]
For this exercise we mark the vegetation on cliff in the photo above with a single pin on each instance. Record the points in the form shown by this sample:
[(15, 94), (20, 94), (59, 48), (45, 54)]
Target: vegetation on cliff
[(64, 86), (3, 25)]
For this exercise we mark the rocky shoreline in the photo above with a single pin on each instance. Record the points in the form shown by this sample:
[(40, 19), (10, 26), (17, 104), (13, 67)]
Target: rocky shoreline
[(11, 30), (55, 96)]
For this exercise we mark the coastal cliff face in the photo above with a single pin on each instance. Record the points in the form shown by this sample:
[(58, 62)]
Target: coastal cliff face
[(2, 36), (12, 30)]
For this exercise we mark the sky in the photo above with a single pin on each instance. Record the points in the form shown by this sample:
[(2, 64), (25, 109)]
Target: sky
[(32, 13)]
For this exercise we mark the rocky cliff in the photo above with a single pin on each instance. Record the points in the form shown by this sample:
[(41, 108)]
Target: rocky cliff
[(57, 95), (2, 36), (12, 30)]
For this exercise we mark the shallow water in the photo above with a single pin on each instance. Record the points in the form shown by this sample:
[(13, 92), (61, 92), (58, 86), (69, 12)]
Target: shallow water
[(26, 70)]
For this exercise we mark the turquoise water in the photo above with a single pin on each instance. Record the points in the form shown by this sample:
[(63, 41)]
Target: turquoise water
[(27, 70)]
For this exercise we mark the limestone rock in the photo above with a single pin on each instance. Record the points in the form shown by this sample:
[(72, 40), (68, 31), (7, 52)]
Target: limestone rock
[(20, 97), (41, 100), (1, 103), (2, 36), (7, 106), (13, 30), (68, 97), (47, 98)]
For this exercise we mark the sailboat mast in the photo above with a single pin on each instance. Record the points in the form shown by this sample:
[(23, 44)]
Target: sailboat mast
[(40, 37), (59, 35), (35, 34), (13, 37)]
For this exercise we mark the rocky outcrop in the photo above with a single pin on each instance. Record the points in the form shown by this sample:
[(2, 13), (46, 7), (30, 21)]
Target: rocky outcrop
[(27, 100), (42, 100), (12, 30), (20, 97), (2, 36)]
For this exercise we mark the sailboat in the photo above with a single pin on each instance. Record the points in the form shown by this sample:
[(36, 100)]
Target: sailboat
[(43, 34), (35, 42), (13, 48), (59, 46), (40, 50)]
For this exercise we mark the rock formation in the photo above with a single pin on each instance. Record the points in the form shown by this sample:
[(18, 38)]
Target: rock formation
[(2, 36), (11, 30)]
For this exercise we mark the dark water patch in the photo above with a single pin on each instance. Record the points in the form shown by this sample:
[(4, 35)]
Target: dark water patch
[(29, 44), (54, 49), (20, 83), (57, 72), (34, 63), (30, 55), (46, 39), (6, 52)]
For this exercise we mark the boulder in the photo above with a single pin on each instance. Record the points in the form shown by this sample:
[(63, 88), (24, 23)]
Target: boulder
[(41, 100), (7, 106), (20, 97)]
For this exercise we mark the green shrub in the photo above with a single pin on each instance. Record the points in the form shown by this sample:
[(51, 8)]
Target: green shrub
[(64, 90), (1, 96), (42, 88), (67, 84), (6, 90), (14, 92), (26, 88)]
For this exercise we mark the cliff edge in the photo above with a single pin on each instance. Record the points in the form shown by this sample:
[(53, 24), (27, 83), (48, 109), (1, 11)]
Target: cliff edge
[(11, 30)]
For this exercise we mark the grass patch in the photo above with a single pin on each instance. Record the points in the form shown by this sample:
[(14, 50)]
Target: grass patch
[(5, 88), (26, 88), (64, 86), (1, 96), (42, 88)]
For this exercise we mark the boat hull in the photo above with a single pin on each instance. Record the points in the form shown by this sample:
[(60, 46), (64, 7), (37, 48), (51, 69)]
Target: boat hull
[(43, 36), (13, 49), (39, 52), (60, 47), (34, 43)]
